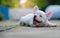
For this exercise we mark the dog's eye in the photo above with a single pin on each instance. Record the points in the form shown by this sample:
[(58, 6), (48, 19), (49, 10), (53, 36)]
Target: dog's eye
[(40, 15)]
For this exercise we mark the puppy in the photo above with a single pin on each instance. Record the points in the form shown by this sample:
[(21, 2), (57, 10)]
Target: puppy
[(37, 19)]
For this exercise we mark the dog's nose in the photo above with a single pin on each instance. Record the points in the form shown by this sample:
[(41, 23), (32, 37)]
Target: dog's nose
[(35, 16)]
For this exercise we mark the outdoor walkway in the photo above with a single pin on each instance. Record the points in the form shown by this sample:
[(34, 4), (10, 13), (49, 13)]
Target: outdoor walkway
[(10, 22), (30, 32)]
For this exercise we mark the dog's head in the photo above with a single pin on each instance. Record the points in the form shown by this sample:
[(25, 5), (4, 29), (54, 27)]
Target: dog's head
[(40, 16)]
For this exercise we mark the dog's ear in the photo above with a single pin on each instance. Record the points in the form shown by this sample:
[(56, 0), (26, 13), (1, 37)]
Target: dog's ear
[(35, 8), (48, 15)]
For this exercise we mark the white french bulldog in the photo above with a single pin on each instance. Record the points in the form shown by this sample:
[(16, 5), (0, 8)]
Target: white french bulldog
[(37, 19)]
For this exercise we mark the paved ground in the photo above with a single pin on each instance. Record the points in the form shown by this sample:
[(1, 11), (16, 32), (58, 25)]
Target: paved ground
[(11, 22), (29, 32)]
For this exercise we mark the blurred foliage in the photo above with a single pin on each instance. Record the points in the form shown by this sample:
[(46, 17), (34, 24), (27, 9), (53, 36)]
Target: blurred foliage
[(57, 2), (42, 4), (54, 2), (1, 17), (29, 3), (13, 3), (10, 3), (4, 3)]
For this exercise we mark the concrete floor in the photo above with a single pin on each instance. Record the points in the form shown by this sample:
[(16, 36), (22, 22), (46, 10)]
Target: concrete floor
[(30, 32)]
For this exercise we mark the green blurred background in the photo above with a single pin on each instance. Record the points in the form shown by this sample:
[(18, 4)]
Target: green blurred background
[(42, 4)]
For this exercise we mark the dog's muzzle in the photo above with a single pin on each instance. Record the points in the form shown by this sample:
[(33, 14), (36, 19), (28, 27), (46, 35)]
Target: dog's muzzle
[(36, 22)]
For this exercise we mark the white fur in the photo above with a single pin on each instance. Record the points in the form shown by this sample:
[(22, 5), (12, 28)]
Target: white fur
[(28, 19)]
